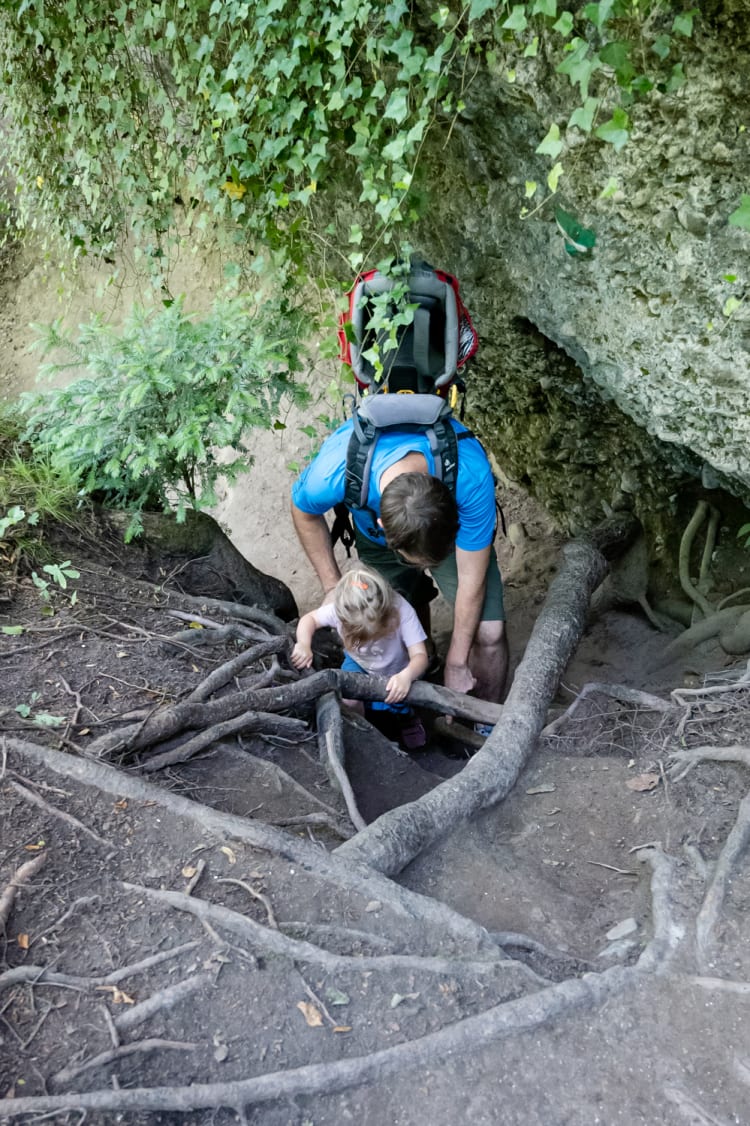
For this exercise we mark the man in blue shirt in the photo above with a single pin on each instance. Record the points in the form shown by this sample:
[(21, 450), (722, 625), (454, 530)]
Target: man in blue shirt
[(411, 522)]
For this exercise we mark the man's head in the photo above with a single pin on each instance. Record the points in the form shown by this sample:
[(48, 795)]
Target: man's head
[(419, 517)]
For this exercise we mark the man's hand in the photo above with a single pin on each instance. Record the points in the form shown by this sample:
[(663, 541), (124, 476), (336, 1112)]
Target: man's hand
[(459, 678)]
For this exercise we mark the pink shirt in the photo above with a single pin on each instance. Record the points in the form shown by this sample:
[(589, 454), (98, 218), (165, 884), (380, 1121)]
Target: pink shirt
[(387, 655)]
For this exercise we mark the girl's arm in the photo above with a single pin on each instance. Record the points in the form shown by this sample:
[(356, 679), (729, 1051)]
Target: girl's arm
[(399, 684), (302, 656)]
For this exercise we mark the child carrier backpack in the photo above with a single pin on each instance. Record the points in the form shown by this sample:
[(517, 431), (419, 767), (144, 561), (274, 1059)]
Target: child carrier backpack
[(430, 351)]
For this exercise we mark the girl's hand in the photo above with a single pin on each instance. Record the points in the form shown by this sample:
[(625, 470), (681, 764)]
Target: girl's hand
[(301, 657), (397, 688)]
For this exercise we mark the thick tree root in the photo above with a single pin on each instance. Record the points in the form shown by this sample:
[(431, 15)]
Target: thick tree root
[(68, 1074), (507, 1018), (167, 722), (269, 724), (392, 841)]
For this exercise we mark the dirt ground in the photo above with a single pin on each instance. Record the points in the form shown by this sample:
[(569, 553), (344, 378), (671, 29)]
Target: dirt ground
[(574, 956)]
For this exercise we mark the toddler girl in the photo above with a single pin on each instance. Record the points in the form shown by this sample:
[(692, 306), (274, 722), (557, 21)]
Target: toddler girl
[(382, 636)]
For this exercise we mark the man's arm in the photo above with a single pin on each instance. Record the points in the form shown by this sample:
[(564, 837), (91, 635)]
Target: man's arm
[(472, 578), (315, 538)]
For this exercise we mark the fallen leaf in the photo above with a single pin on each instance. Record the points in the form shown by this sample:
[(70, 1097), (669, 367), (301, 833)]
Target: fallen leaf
[(342, 1028), (118, 996), (35, 847), (122, 653), (542, 788), (123, 804), (642, 783), (195, 625), (373, 905), (310, 1013), (221, 1053), (336, 997), (188, 872), (84, 730), (230, 855), (195, 668), (397, 998), (23, 941)]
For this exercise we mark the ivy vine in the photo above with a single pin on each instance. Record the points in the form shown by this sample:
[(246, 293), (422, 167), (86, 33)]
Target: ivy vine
[(232, 117)]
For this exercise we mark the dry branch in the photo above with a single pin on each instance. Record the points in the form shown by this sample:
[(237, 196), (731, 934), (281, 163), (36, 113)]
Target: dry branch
[(507, 1018), (394, 839), (226, 673), (163, 999)]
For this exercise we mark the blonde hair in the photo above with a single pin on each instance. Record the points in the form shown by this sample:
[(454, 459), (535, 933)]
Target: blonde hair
[(365, 606)]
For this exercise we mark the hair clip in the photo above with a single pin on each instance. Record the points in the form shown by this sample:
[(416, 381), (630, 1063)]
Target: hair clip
[(360, 584)]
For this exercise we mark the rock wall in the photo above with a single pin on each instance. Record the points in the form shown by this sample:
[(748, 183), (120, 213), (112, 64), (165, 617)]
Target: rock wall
[(621, 367)]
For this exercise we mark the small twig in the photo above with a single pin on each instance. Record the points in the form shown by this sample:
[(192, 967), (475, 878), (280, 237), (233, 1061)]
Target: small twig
[(152, 1045), (256, 895), (77, 905), (611, 867), (199, 870), (60, 814), (19, 878), (114, 1035), (317, 1001)]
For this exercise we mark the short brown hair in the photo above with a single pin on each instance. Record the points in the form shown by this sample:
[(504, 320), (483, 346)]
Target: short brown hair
[(420, 517)]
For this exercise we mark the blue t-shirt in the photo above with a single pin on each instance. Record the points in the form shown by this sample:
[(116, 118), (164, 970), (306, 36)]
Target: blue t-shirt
[(321, 485)]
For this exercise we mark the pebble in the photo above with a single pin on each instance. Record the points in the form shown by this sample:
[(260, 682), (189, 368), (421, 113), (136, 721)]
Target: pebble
[(626, 927)]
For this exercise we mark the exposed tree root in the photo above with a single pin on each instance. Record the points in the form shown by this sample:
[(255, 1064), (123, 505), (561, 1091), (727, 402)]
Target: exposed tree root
[(161, 1000), (721, 623), (20, 877), (268, 723), (163, 724), (352, 876), (686, 544), (226, 673), (40, 975), (616, 692), (683, 761), (35, 799), (140, 1046), (275, 942), (331, 745), (511, 1017), (392, 841), (708, 916)]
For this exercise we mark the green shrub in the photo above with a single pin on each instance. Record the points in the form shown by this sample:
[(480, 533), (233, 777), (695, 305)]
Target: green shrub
[(164, 400)]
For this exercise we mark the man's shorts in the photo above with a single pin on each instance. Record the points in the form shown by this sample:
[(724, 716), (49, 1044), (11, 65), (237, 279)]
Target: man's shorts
[(418, 588)]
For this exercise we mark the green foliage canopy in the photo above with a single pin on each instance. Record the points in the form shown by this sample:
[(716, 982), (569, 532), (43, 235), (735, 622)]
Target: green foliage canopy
[(245, 109)]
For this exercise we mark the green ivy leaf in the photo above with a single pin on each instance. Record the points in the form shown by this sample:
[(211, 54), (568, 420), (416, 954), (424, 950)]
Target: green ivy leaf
[(612, 185), (661, 46), (583, 117), (553, 178), (531, 186), (544, 8), (517, 20), (579, 240), (683, 23), (12, 631), (615, 131), (564, 25), (551, 145), (677, 79), (478, 8)]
